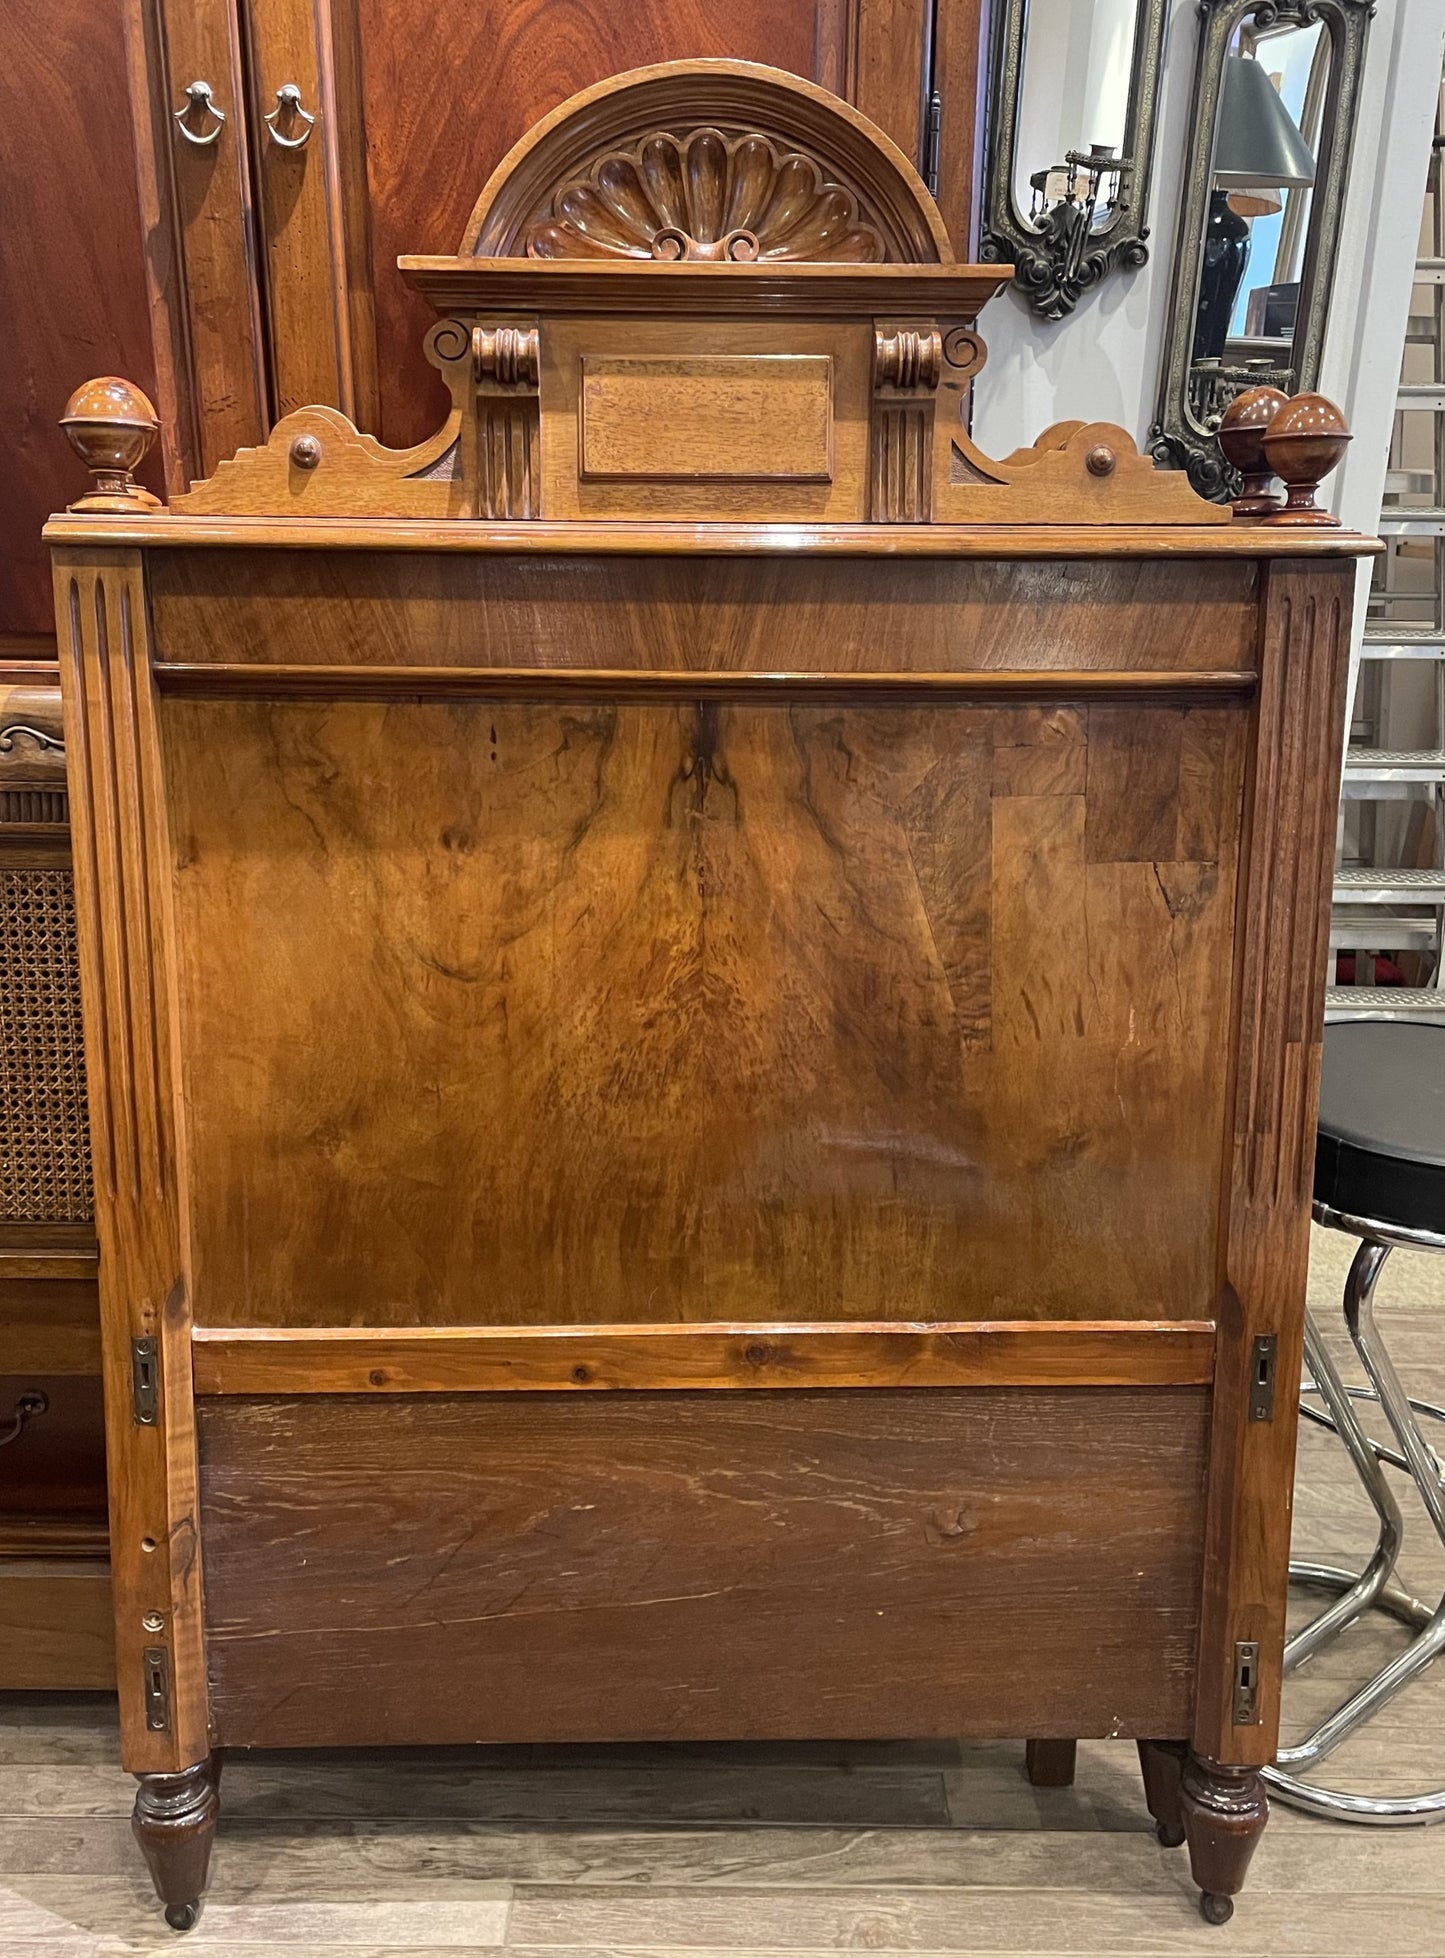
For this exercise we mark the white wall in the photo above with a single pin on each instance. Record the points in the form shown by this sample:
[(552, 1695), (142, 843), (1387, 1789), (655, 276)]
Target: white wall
[(1103, 361)]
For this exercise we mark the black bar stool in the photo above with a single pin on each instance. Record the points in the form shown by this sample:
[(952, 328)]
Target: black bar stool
[(1380, 1175)]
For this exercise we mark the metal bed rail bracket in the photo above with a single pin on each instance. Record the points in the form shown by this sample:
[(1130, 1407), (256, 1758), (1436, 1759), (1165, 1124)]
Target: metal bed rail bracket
[(1261, 1377)]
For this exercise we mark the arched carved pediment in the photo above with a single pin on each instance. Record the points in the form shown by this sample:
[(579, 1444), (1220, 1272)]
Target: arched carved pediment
[(723, 160), (710, 197)]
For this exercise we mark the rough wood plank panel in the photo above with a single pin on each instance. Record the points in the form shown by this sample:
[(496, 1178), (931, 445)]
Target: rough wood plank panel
[(686, 1012), (882, 1562)]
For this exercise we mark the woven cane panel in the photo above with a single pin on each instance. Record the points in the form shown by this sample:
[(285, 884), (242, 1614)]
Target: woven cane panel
[(44, 1137)]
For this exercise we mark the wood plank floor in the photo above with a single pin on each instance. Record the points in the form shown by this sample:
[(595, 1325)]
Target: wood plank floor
[(596, 1853)]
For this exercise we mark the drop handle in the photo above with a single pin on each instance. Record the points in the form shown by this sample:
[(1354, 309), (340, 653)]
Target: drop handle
[(199, 105), (288, 108), (28, 1407)]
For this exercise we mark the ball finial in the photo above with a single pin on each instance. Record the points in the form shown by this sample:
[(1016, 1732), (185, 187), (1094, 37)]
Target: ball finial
[(1302, 445), (1241, 438), (110, 425)]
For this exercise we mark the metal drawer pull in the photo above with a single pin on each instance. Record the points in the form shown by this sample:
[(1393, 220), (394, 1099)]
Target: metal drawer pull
[(288, 102), (199, 105), (30, 1404)]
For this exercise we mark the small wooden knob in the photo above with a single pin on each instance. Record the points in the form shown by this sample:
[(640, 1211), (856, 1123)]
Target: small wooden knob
[(1100, 461), (110, 425), (1241, 438), (1302, 444)]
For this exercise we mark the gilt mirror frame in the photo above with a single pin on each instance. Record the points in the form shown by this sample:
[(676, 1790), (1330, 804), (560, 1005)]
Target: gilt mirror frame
[(1178, 438), (1052, 265)]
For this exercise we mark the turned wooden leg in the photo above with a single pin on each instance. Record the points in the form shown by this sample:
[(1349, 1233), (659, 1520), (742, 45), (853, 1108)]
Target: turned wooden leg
[(1224, 1811), (1050, 1763), (1162, 1762), (175, 1824)]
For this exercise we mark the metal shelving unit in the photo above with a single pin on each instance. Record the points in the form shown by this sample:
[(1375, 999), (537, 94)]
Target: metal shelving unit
[(1389, 889)]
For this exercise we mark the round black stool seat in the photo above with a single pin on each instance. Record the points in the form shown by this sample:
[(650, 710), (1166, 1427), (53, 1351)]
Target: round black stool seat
[(1380, 1151)]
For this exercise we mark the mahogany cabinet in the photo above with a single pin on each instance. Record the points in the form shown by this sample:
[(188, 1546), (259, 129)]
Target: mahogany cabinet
[(703, 1009)]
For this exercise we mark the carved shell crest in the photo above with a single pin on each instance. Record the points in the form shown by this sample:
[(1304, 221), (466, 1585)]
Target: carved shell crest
[(704, 196)]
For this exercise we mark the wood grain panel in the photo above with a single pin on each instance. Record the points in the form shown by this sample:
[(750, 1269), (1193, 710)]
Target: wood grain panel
[(650, 685), (733, 1566), (72, 270), (48, 1325), (907, 615), (686, 1012), (56, 1630), (768, 417), (592, 1359)]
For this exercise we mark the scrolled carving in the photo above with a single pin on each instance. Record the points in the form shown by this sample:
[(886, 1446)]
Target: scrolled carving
[(908, 360), (706, 195), (964, 351), (45, 743)]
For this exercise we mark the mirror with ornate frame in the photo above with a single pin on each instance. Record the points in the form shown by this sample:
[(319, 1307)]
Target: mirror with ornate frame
[(1072, 98), (1276, 94)]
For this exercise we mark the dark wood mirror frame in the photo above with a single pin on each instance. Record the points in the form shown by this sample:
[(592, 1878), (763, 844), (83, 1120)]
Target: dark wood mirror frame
[(1056, 262), (1179, 440)]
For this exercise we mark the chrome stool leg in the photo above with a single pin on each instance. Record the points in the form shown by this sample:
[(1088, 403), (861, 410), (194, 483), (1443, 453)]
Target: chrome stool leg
[(1370, 1587)]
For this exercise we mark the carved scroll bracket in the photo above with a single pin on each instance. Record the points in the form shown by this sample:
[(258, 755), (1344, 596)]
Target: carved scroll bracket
[(908, 364), (501, 460)]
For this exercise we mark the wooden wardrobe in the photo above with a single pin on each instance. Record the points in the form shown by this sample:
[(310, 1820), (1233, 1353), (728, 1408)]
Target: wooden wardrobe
[(702, 1009), (235, 268)]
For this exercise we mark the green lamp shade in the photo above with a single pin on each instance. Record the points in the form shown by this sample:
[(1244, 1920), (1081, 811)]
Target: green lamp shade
[(1258, 146)]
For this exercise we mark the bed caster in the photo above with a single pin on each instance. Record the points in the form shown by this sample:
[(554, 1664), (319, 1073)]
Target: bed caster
[(182, 1917), (1215, 1909)]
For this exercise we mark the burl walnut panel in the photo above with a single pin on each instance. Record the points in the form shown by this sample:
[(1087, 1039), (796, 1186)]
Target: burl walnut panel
[(674, 1566), (527, 1013)]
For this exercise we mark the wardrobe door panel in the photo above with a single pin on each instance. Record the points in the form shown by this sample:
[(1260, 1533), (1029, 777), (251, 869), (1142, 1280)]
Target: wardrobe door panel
[(193, 155)]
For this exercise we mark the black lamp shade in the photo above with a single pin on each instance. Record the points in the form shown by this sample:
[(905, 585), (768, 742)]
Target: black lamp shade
[(1258, 146)]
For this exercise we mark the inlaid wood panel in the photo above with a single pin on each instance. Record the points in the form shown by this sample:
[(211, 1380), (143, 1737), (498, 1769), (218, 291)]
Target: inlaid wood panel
[(732, 1566), (354, 608), (698, 1012)]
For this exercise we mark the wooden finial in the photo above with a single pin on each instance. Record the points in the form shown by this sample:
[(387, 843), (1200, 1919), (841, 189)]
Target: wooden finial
[(1241, 437), (1302, 445), (110, 425)]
